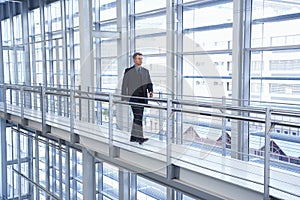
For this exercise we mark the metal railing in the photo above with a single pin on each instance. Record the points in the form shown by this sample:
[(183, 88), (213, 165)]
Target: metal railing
[(24, 97)]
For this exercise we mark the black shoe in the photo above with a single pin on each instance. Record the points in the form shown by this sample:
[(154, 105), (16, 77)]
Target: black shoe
[(133, 139), (142, 140)]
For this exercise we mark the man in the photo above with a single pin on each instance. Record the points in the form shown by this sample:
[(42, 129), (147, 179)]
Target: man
[(137, 83)]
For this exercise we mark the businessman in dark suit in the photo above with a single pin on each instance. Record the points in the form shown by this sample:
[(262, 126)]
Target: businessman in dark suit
[(137, 84)]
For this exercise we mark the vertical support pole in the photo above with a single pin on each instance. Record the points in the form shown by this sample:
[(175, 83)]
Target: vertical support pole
[(25, 29), (247, 73), (179, 71), (67, 174), (100, 180), (4, 100), (86, 50), (43, 107), (110, 125), (19, 162), (169, 137), (179, 195), (33, 62), (30, 165), (74, 137), (224, 129), (133, 186), (65, 42), (89, 187), (123, 58), (52, 170), (89, 106), (3, 149), (268, 126), (80, 103), (3, 159), (238, 135), (98, 62), (22, 102), (170, 193), (170, 45), (124, 184), (170, 70), (37, 165), (160, 118), (43, 40), (74, 174), (132, 27), (50, 73), (47, 166), (59, 102)]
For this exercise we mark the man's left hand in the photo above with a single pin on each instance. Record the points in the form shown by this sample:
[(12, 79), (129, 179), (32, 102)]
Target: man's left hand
[(150, 94)]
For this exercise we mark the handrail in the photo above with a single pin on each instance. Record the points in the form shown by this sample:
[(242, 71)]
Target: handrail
[(104, 97)]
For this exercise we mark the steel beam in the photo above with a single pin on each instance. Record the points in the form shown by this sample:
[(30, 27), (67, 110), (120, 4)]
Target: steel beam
[(89, 187), (179, 70), (18, 148), (268, 127), (170, 56), (133, 186), (11, 8), (67, 174), (43, 42), (100, 180), (37, 166), (50, 50), (237, 131), (86, 52), (98, 60), (124, 184), (26, 63), (123, 58), (3, 156), (65, 57)]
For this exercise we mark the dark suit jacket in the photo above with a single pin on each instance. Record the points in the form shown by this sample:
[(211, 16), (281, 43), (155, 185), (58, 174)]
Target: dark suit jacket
[(131, 83)]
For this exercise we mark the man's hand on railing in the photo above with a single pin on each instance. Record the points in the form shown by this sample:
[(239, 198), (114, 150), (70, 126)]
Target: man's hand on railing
[(150, 94)]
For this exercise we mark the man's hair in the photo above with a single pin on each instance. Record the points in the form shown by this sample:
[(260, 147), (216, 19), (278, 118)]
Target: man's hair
[(136, 54)]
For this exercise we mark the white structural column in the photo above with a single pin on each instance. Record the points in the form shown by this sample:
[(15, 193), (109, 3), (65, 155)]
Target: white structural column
[(123, 56), (89, 184), (170, 46), (237, 130), (86, 52)]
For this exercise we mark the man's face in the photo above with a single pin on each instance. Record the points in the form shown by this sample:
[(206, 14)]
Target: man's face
[(138, 60)]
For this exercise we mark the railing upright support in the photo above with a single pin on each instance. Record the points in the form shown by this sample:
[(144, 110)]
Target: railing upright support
[(224, 139), (268, 127)]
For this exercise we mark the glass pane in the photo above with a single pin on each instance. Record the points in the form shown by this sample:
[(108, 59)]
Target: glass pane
[(146, 5), (271, 8)]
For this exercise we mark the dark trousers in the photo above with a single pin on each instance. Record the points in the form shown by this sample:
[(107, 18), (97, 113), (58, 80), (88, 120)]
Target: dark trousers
[(137, 125)]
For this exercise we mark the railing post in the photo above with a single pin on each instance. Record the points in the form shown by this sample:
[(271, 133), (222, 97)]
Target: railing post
[(89, 118), (22, 102), (160, 120), (59, 103), (4, 101), (224, 128), (169, 135), (80, 106), (43, 107), (74, 137), (268, 126), (110, 124)]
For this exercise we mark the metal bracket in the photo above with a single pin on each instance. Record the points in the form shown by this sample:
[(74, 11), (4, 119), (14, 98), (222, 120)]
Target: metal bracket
[(173, 171)]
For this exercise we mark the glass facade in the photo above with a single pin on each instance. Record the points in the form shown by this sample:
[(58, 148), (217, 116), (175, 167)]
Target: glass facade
[(41, 46)]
